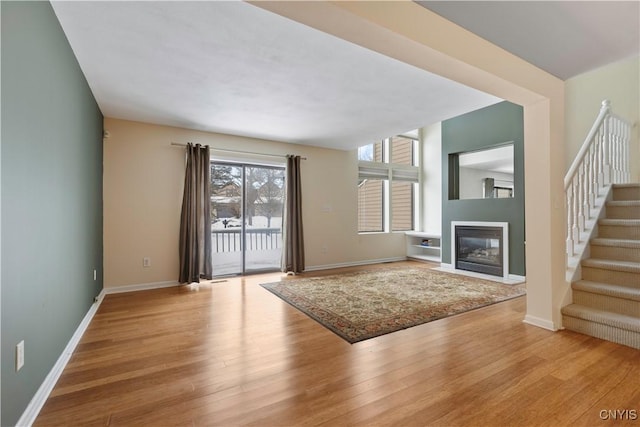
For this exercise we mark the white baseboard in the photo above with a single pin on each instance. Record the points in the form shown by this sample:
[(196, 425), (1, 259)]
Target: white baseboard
[(517, 278), (539, 322), (141, 287), (354, 263), (37, 402)]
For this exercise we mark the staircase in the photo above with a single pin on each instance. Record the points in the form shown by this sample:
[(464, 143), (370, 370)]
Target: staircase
[(606, 301)]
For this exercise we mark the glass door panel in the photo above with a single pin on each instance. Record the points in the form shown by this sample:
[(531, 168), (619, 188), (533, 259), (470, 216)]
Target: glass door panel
[(264, 203), (226, 219)]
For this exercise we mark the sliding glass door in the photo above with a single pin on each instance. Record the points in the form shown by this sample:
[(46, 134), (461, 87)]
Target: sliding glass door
[(247, 203), (264, 203)]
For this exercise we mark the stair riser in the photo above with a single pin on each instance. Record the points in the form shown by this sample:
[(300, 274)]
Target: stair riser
[(605, 332), (606, 302), (619, 232), (623, 212), (622, 278), (615, 253), (626, 193)]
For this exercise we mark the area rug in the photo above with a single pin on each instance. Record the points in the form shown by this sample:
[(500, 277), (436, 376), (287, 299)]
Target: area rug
[(363, 305)]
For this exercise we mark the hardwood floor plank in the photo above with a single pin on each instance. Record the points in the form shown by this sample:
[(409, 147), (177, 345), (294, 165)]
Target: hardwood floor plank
[(231, 353)]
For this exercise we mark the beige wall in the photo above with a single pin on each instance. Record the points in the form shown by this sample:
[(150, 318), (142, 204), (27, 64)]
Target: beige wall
[(619, 83), (143, 179)]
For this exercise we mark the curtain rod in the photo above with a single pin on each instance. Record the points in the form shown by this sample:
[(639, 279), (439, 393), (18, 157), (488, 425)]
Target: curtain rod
[(178, 144)]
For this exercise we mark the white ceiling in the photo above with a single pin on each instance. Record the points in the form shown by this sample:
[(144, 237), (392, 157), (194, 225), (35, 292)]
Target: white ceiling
[(564, 38), (231, 67), (234, 68)]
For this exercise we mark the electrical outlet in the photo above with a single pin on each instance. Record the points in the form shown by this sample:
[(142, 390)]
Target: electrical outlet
[(19, 355), (146, 262)]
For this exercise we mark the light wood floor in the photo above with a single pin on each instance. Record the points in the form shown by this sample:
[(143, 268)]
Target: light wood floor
[(231, 353)]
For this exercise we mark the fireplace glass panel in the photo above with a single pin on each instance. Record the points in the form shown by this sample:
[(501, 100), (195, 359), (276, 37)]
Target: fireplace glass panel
[(479, 249), (483, 251)]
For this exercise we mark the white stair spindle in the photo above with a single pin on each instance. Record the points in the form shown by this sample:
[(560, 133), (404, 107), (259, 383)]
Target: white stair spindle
[(627, 153), (615, 150), (606, 152), (600, 143), (589, 199), (580, 198), (569, 200), (575, 229)]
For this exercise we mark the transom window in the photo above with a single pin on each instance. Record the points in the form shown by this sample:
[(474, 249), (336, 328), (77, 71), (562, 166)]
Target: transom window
[(388, 174)]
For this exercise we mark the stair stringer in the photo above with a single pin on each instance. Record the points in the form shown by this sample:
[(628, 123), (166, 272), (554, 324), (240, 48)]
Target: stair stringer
[(573, 272)]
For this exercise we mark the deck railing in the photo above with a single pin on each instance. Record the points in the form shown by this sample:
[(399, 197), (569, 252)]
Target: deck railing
[(257, 239)]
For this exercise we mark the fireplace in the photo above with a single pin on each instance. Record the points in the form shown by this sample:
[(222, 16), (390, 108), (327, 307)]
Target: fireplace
[(480, 248)]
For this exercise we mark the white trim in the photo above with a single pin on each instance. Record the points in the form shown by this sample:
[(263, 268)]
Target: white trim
[(100, 297), (423, 234), (539, 322), (517, 278), (354, 263), (141, 287), (505, 240), (512, 279), (37, 402)]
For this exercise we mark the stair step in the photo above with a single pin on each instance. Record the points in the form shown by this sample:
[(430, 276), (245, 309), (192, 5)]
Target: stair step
[(602, 324), (618, 243), (619, 228), (620, 222), (608, 289), (621, 321), (626, 191), (606, 302), (624, 209), (623, 273), (603, 296), (615, 249), (610, 264)]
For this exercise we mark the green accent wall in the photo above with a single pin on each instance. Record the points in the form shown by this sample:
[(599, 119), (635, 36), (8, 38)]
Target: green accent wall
[(51, 181), (485, 128)]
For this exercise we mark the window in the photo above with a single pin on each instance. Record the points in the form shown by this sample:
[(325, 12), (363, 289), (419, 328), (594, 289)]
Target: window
[(387, 185), (371, 205), (402, 205), (371, 152)]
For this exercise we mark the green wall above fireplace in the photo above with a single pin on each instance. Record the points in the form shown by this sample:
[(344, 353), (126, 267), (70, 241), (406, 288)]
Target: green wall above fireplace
[(488, 127)]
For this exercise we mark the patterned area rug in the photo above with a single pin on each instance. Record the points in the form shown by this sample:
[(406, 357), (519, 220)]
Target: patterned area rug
[(363, 305)]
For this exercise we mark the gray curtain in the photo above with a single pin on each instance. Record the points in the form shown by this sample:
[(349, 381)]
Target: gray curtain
[(293, 251), (195, 220)]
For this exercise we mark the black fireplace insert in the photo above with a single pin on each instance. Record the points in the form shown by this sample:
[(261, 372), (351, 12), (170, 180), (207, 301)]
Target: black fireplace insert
[(479, 249)]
